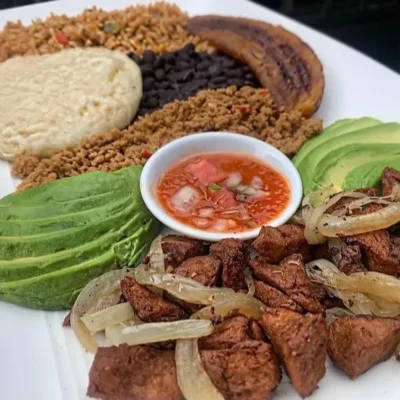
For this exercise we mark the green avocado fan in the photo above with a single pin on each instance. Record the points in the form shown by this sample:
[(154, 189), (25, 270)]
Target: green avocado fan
[(56, 238)]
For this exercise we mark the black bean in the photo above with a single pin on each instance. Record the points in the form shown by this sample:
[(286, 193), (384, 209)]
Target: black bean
[(165, 84), (168, 95), (203, 65), (152, 102), (234, 73), (202, 75), (215, 70), (182, 65), (134, 57), (248, 83), (216, 85), (194, 85), (183, 55), (181, 76), (169, 67), (228, 63), (159, 63), (174, 76), (168, 56), (147, 70), (218, 79), (236, 82), (149, 56), (148, 83), (189, 48), (159, 74), (144, 111)]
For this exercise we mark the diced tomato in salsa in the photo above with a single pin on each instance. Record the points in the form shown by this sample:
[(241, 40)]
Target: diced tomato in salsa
[(224, 198), (223, 192), (206, 172)]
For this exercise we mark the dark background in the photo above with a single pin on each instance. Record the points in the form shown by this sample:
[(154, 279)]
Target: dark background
[(371, 26)]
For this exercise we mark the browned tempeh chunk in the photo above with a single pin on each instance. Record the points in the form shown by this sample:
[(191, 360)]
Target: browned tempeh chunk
[(179, 248), (300, 341), (274, 244), (234, 256), (148, 306), (291, 279), (355, 344)]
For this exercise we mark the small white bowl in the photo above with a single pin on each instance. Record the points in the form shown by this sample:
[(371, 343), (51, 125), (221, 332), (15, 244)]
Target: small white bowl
[(211, 142)]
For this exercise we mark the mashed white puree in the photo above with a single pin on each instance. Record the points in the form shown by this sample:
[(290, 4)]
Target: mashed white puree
[(55, 100)]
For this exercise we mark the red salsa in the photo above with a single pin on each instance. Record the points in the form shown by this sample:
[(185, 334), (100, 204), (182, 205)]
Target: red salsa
[(223, 192)]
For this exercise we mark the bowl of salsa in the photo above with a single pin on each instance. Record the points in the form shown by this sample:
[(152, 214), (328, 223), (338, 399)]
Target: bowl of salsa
[(217, 184)]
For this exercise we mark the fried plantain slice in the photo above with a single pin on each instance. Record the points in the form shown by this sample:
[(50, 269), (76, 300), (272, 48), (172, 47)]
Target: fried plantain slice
[(283, 63)]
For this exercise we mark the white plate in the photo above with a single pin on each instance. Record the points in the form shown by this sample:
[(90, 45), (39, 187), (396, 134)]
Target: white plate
[(40, 360)]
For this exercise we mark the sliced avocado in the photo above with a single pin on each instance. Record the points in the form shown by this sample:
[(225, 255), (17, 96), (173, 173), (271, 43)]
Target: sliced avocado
[(337, 164), (369, 174), (342, 128), (75, 188), (337, 124), (59, 289), (20, 268), (95, 222), (382, 133), (54, 222), (12, 247), (14, 212)]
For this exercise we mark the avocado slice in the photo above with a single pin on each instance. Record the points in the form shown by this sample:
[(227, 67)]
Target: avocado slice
[(339, 128), (56, 222), (339, 163), (337, 124), (38, 244), (369, 174), (94, 222), (381, 133), (59, 289), (20, 268), (32, 212), (75, 188)]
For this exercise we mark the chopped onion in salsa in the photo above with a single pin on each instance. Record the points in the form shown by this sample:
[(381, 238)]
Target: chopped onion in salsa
[(223, 192)]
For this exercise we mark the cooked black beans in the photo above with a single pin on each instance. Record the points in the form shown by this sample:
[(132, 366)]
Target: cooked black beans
[(181, 74)]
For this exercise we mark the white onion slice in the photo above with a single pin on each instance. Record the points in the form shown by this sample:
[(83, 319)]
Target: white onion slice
[(360, 203), (238, 303), (91, 299), (201, 222), (297, 218), (183, 288), (257, 183), (374, 283), (314, 199), (249, 282), (334, 226), (378, 300), (154, 332), (312, 215), (100, 320), (156, 255), (193, 379), (185, 199), (234, 180), (220, 225), (205, 212)]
